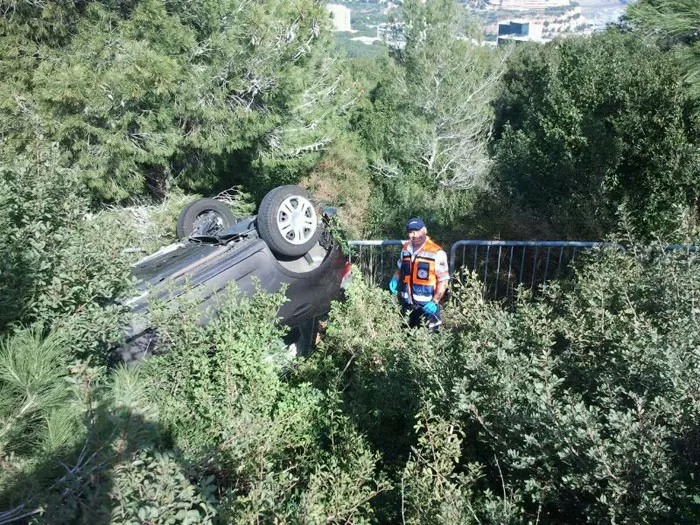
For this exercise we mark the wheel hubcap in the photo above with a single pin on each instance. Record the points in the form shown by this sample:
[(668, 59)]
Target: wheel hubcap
[(296, 220)]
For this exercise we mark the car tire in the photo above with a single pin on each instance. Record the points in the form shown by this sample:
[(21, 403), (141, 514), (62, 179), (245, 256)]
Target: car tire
[(195, 210), (287, 221)]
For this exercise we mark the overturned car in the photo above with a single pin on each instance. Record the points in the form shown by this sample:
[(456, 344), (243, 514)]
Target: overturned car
[(288, 242)]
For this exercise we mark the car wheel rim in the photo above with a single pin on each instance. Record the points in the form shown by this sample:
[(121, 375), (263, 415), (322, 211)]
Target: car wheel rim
[(207, 223), (296, 220)]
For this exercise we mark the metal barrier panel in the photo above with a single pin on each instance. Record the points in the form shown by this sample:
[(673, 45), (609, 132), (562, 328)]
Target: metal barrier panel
[(504, 265), (376, 259), (501, 265), (682, 247)]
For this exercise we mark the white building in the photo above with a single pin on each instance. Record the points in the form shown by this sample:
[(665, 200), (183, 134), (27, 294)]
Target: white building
[(341, 17), (519, 31)]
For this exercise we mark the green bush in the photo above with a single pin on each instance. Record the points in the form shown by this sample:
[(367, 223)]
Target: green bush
[(152, 487), (54, 261), (276, 451), (64, 424), (584, 395), (34, 394), (587, 125), (573, 406), (363, 355)]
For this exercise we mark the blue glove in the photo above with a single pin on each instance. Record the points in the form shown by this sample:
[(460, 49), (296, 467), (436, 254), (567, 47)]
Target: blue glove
[(394, 285), (430, 307)]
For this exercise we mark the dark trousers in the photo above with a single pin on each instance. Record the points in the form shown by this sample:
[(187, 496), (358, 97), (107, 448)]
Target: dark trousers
[(417, 316)]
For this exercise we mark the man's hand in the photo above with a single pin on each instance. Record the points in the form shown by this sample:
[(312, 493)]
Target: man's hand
[(430, 307), (394, 285), (440, 290)]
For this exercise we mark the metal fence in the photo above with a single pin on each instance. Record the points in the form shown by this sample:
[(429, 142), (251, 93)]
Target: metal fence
[(500, 265), (377, 259)]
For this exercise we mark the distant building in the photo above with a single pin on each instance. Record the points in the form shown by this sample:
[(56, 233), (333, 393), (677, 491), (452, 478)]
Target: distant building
[(341, 17), (519, 31), (524, 5)]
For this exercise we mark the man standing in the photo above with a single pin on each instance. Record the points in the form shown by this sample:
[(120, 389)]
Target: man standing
[(422, 277)]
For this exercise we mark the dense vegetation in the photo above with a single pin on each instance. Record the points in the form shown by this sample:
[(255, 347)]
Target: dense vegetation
[(579, 404), (578, 136)]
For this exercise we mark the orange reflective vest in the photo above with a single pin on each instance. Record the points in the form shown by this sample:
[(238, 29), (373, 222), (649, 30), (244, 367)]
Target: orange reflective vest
[(418, 274)]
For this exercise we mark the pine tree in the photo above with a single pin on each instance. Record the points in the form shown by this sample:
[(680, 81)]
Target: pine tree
[(676, 22), (440, 114), (146, 93)]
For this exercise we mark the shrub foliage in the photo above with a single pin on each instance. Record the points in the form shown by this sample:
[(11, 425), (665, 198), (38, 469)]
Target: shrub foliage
[(578, 135), (573, 407), (578, 404)]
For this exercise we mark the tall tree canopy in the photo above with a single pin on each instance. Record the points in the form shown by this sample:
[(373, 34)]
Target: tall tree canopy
[(677, 23), (149, 91), (585, 125), (434, 116)]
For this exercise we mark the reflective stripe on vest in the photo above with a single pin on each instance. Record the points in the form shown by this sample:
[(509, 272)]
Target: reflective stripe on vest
[(418, 276)]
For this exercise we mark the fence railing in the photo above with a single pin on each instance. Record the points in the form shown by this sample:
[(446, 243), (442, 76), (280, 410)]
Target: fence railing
[(501, 265), (504, 265), (376, 259)]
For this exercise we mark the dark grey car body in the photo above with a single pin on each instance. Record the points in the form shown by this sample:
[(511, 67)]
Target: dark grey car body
[(202, 267)]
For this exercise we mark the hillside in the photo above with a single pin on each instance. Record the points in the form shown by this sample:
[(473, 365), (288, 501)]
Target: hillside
[(575, 404)]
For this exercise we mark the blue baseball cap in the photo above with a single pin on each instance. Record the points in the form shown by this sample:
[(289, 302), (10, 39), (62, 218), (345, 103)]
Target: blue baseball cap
[(414, 224)]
